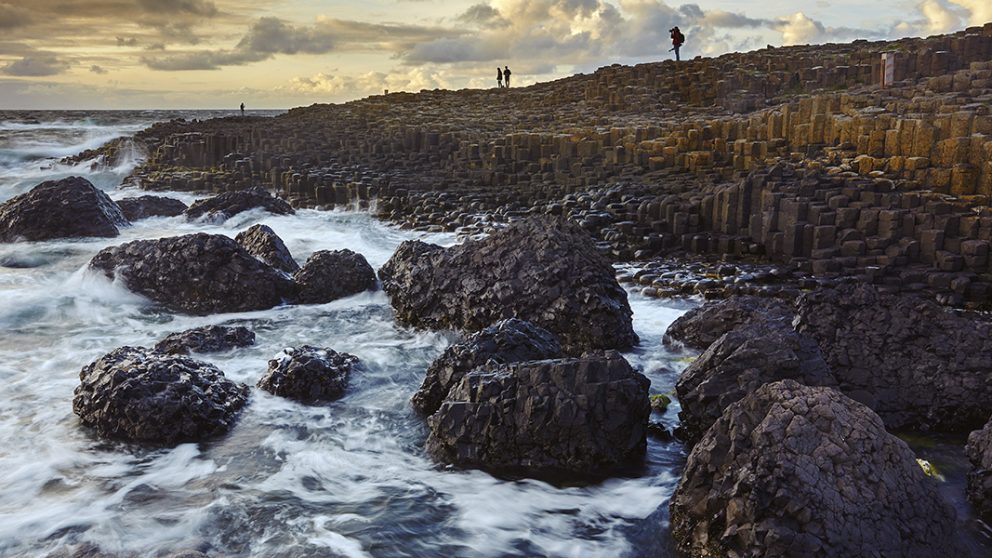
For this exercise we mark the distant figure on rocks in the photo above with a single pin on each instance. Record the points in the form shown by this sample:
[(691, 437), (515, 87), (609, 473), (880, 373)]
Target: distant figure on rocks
[(678, 39), (499, 77), (242, 109), (506, 75)]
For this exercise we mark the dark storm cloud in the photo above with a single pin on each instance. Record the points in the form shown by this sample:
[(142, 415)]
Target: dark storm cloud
[(12, 16), (35, 65), (272, 35)]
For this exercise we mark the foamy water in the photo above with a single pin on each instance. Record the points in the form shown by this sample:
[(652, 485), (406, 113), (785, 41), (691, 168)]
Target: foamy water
[(345, 479)]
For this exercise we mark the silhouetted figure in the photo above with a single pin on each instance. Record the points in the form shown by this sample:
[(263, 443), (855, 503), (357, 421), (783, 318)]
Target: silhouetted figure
[(678, 39), (242, 109), (499, 77), (506, 75)]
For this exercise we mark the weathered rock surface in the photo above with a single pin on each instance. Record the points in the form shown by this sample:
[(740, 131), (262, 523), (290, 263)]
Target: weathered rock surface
[(67, 208), (227, 205), (332, 274), (792, 470), (545, 271), (308, 374), (263, 243), (197, 273), (143, 207), (578, 416), (700, 327), (138, 395), (504, 342), (740, 362), (207, 339), (916, 364), (979, 450)]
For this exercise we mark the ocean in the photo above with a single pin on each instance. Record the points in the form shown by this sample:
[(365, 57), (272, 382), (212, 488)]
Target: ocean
[(346, 479)]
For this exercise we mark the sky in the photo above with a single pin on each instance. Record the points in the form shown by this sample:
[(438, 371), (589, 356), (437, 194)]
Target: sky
[(125, 54)]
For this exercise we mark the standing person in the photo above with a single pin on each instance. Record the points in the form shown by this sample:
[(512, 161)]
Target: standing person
[(506, 75), (499, 77), (242, 109), (678, 39)]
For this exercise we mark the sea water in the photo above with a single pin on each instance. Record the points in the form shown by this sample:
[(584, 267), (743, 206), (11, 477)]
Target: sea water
[(349, 478)]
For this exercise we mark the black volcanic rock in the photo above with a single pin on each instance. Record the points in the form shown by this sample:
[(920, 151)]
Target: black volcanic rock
[(227, 205), (138, 395), (208, 339), (573, 416), (546, 271), (738, 363), (308, 374), (792, 470), (504, 342), (67, 208), (979, 451), (918, 365), (332, 274), (197, 273), (263, 243), (700, 327), (143, 207)]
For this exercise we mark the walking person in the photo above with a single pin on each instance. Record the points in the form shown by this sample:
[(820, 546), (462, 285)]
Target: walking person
[(499, 77), (678, 39), (242, 109), (506, 75)]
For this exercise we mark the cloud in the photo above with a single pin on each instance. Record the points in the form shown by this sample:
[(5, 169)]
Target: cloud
[(96, 69), (483, 15), (36, 65), (980, 11), (935, 17), (126, 42), (192, 7), (800, 29), (371, 83), (271, 35), (12, 16)]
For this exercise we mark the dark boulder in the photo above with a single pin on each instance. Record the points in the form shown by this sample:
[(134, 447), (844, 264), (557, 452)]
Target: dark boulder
[(504, 342), (143, 207), (308, 374), (329, 275), (67, 208), (739, 362), (138, 395), (979, 450), (793, 470), (208, 339), (197, 273), (224, 206), (546, 271), (700, 327), (573, 416), (263, 243), (917, 364)]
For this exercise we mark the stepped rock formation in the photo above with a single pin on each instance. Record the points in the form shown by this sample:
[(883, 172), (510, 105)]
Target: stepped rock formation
[(263, 243), (67, 208), (308, 374), (545, 271), (979, 450), (208, 339), (792, 470), (143, 207), (329, 275)]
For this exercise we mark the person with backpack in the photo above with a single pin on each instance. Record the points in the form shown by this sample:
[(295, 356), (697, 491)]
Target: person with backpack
[(506, 75), (678, 39), (499, 77)]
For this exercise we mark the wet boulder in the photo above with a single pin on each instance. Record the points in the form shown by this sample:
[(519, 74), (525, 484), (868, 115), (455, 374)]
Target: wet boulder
[(793, 470), (263, 243), (700, 327), (917, 364), (308, 374), (67, 208), (208, 339), (738, 363), (196, 273), (568, 416), (546, 271), (224, 206), (143, 207), (332, 274), (979, 450), (504, 342), (138, 395)]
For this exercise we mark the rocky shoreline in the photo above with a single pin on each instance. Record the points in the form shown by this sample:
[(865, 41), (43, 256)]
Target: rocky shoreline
[(840, 229)]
